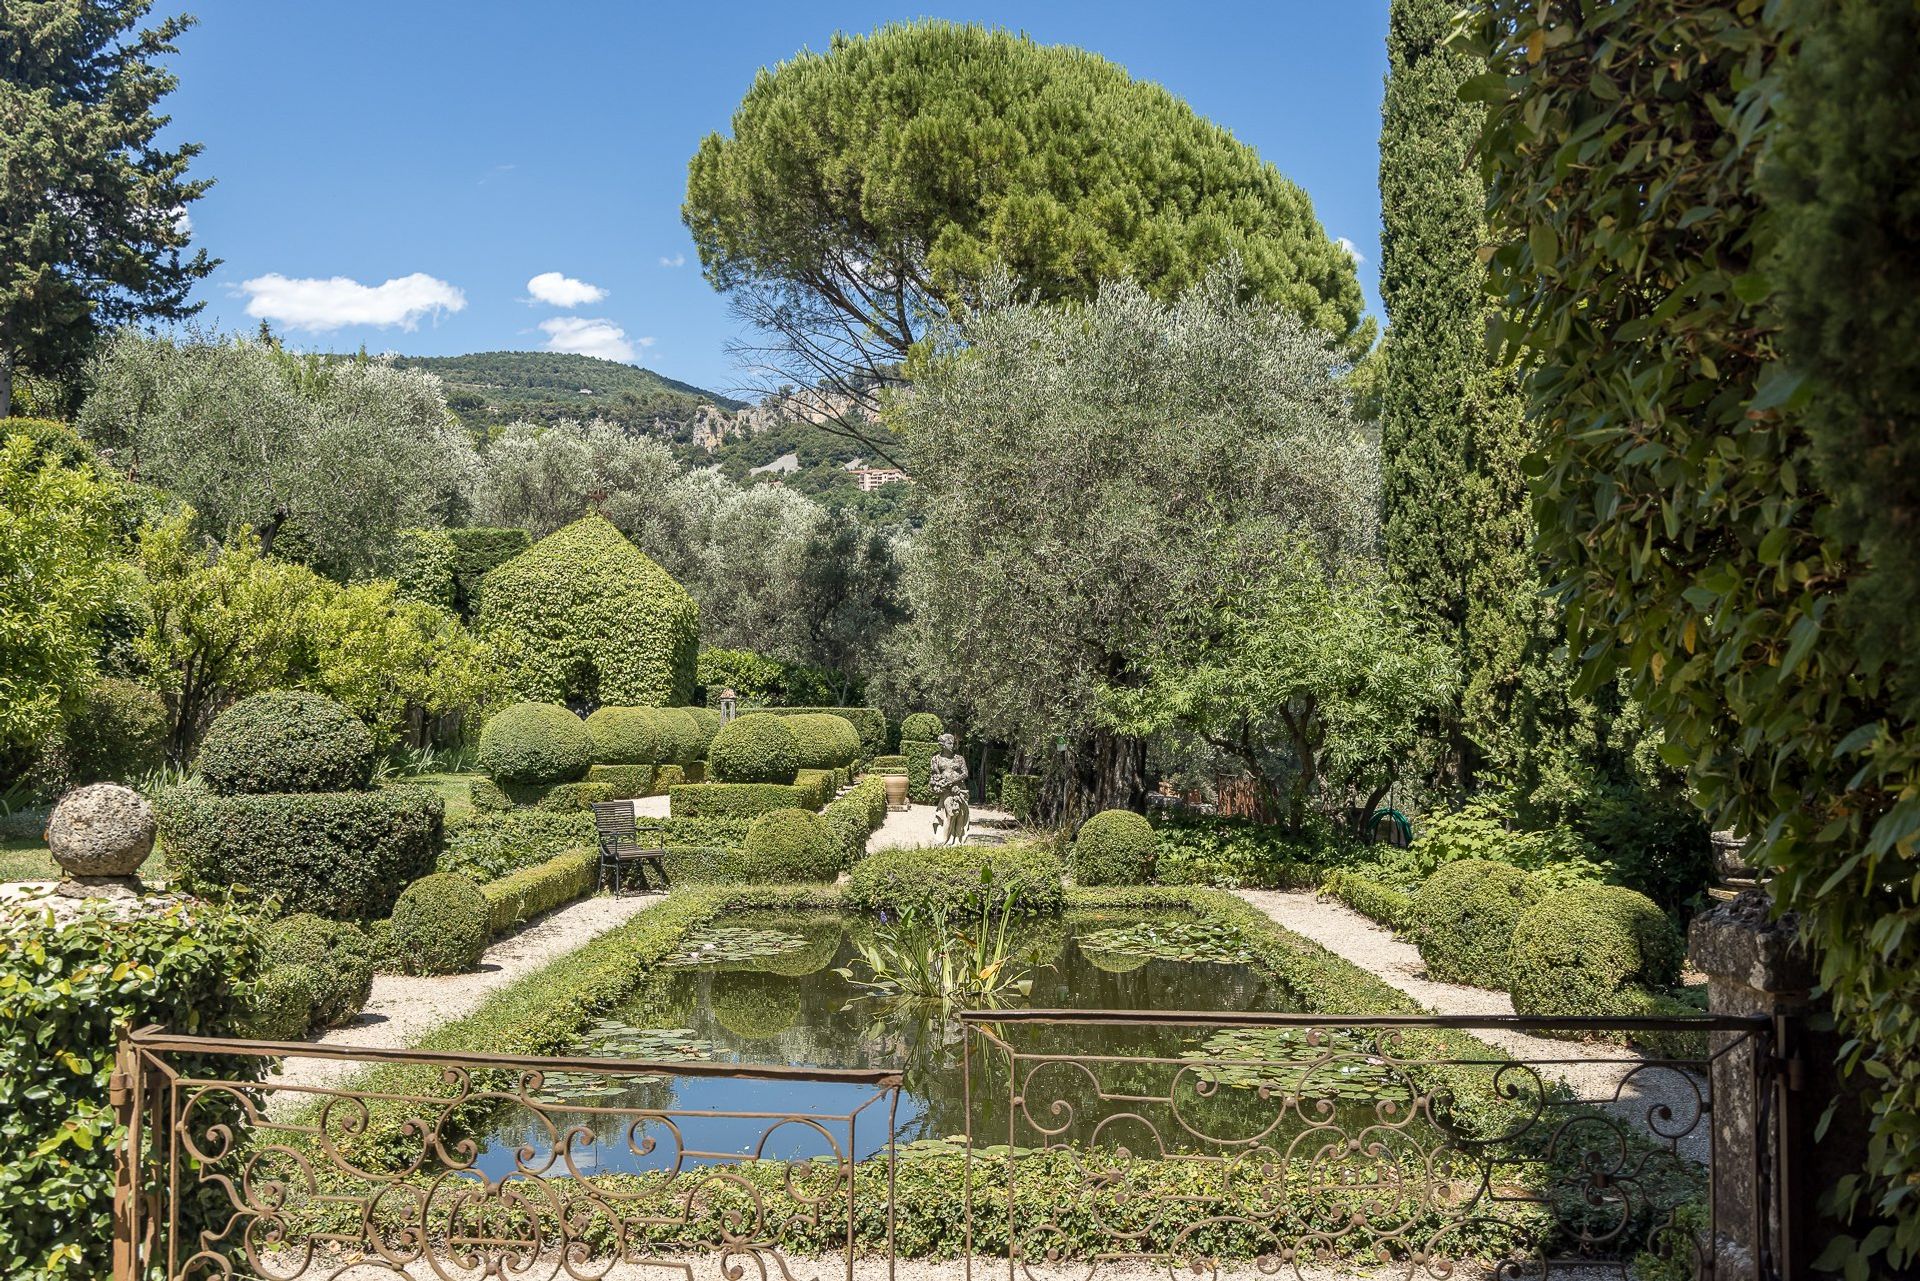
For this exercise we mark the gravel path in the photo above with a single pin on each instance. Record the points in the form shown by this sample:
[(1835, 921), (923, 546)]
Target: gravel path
[(1612, 1076), (914, 826), (403, 1009)]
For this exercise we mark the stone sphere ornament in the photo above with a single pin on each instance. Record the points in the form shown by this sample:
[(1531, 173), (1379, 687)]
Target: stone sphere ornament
[(101, 831)]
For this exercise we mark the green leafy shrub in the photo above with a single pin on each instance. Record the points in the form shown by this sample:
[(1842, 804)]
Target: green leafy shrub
[(1114, 847), (119, 732), (339, 854), (712, 831), (919, 769), (445, 567), (892, 764), (709, 722), (337, 958), (1582, 951), (792, 845), (440, 925), (823, 740), (1019, 794), (684, 738), (1370, 898), (921, 727), (66, 988), (286, 740), (535, 743), (763, 682), (870, 723), (1481, 830), (734, 800), (628, 736), (668, 777), (755, 748), (280, 1007), (590, 619), (815, 787), (1239, 854), (486, 846), (929, 877), (625, 781), (1462, 919), (854, 817), (522, 895)]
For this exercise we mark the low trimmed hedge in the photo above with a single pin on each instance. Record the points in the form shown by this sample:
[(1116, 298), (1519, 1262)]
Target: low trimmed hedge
[(286, 740), (1369, 897), (345, 855), (791, 845), (855, 817), (887, 765), (817, 785), (654, 831), (1462, 919), (628, 782), (919, 756), (439, 925), (558, 798), (735, 800), (929, 876), (522, 895), (486, 846), (1114, 847)]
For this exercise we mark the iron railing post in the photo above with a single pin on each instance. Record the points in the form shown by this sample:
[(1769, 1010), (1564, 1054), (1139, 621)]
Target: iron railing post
[(124, 1090)]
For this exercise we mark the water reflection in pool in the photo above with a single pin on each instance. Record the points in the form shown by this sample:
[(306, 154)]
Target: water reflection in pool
[(794, 1008)]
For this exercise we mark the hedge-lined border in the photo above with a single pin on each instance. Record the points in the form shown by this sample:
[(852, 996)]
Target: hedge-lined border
[(520, 896)]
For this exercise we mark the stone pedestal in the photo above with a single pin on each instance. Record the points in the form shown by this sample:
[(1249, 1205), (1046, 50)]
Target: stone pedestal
[(1755, 965)]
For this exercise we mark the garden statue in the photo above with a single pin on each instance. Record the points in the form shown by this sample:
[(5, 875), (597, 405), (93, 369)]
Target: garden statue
[(100, 835), (947, 780)]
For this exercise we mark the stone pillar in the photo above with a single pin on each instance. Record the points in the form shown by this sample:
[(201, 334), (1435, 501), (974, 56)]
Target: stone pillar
[(1753, 966)]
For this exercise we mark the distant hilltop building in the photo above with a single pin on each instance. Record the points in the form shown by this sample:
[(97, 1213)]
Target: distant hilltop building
[(871, 478)]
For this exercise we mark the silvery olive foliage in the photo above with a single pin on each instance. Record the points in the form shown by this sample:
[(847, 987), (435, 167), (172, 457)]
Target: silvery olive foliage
[(1090, 474), (323, 459)]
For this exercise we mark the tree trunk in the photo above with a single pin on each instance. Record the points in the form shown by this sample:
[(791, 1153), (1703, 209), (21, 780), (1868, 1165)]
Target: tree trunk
[(1107, 772), (6, 384)]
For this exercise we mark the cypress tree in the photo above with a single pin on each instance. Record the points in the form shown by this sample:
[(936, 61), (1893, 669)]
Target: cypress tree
[(1456, 524)]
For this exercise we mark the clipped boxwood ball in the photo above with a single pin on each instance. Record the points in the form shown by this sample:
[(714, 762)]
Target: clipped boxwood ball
[(680, 733), (536, 743), (440, 925), (826, 741), (286, 740), (1115, 847), (921, 727), (708, 720), (337, 957), (280, 1007), (1589, 949), (754, 749), (792, 845), (1462, 919), (627, 736)]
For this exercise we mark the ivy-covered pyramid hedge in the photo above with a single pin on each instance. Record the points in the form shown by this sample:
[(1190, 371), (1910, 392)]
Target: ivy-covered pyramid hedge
[(592, 619)]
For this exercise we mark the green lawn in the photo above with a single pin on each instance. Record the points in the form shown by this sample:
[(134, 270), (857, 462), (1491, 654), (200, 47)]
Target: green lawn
[(452, 788), (25, 858)]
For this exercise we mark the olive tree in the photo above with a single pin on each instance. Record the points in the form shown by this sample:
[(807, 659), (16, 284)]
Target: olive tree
[(1091, 475)]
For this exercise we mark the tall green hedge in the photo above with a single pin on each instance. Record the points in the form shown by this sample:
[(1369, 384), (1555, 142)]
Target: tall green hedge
[(590, 619), (1679, 452), (919, 754), (445, 567), (66, 987), (339, 854)]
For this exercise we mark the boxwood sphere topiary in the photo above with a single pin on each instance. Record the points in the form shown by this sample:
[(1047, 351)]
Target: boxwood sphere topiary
[(754, 749), (792, 845), (536, 743), (708, 720), (440, 925), (627, 736), (1586, 951), (680, 733), (286, 740), (337, 956), (921, 727), (1115, 847), (280, 1007), (825, 741), (1462, 919)]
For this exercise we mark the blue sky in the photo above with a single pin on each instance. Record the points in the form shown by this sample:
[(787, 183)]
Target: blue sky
[(459, 150)]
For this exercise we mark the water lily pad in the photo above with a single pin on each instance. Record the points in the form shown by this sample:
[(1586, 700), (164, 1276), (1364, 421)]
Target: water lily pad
[(733, 943), (1194, 941)]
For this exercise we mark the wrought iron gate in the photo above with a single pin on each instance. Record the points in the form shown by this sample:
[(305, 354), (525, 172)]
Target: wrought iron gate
[(1264, 1144)]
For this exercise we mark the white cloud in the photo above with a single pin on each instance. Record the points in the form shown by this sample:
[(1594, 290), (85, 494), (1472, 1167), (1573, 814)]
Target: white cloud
[(557, 290), (591, 337), (1352, 252), (678, 260), (329, 304), (182, 220)]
